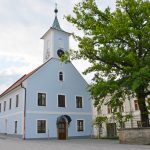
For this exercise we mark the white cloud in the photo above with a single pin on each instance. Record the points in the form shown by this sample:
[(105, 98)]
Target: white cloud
[(3, 87), (6, 80)]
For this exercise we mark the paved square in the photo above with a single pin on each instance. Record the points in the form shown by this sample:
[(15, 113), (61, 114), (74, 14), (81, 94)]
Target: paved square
[(72, 144)]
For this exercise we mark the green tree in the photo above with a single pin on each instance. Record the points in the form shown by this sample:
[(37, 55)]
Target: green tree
[(117, 44), (99, 120), (121, 119)]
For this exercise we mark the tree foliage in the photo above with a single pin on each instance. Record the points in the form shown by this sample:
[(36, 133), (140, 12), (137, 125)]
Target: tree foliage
[(118, 47), (99, 120), (122, 118)]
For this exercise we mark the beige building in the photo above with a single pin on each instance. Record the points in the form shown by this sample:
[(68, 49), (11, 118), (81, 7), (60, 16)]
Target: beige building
[(111, 126)]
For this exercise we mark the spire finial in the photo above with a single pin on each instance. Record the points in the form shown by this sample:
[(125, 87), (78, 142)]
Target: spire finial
[(56, 10)]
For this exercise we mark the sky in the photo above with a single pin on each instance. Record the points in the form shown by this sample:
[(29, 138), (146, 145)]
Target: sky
[(22, 24)]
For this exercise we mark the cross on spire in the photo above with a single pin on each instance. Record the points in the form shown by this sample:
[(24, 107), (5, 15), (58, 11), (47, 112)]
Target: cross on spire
[(56, 10), (56, 22)]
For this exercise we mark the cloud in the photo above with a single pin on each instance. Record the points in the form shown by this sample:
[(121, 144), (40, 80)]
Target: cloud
[(22, 24), (6, 80), (11, 69)]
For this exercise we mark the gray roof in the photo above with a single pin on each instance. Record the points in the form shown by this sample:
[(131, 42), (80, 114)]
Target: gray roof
[(56, 24)]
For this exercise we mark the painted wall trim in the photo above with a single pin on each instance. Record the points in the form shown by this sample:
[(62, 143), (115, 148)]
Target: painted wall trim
[(17, 113), (58, 113)]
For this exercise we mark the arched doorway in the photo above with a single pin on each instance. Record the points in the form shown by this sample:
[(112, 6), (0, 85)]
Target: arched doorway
[(62, 127)]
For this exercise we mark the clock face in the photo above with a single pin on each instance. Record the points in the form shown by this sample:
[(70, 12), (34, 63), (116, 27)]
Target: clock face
[(60, 52)]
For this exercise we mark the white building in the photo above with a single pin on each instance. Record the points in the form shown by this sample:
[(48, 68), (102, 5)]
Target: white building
[(111, 126), (51, 101)]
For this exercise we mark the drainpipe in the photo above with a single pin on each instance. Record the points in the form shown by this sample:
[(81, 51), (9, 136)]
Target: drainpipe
[(24, 114), (130, 110)]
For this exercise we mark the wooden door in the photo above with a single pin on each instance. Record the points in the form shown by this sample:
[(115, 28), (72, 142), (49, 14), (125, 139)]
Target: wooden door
[(62, 131), (111, 130)]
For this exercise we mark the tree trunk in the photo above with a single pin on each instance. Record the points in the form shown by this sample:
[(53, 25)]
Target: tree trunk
[(143, 108)]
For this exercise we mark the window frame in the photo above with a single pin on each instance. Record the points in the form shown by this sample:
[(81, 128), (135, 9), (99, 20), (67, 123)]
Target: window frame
[(80, 128), (61, 43), (121, 108), (81, 101), (37, 130), (10, 103), (61, 76), (41, 104), (4, 106), (58, 101), (136, 105), (17, 100), (16, 127)]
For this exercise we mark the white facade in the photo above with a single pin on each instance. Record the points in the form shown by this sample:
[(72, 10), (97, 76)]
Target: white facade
[(129, 107), (53, 41), (10, 114)]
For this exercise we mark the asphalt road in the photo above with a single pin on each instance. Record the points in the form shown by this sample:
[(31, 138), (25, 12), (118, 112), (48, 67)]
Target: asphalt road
[(72, 144)]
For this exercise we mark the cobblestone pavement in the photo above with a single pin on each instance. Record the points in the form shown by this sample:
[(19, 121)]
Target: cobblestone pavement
[(72, 144)]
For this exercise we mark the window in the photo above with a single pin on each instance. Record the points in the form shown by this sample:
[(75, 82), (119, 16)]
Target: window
[(80, 125), (41, 99), (10, 103), (47, 54), (136, 105), (121, 108), (0, 107), (16, 122), (17, 100), (78, 101), (61, 100), (4, 105), (61, 76), (61, 43), (41, 126), (109, 109), (48, 44)]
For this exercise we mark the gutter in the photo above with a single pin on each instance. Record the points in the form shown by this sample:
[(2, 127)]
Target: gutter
[(24, 113)]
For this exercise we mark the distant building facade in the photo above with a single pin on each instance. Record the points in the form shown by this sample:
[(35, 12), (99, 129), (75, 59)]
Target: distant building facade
[(111, 126)]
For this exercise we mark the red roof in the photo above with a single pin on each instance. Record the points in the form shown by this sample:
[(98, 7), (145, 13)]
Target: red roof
[(19, 82)]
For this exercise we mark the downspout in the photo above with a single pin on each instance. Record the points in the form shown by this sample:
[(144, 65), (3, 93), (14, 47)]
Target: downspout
[(24, 114), (131, 112)]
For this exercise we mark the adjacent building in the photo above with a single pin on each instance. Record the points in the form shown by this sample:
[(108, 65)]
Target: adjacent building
[(110, 127)]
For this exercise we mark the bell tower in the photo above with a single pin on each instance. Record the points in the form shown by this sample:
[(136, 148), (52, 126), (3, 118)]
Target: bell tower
[(56, 40)]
